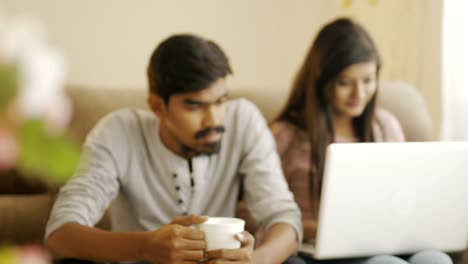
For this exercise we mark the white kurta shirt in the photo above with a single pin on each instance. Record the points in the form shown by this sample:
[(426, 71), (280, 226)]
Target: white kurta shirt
[(124, 158)]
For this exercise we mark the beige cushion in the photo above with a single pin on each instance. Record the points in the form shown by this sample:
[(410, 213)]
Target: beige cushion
[(23, 218), (91, 104), (407, 104), (398, 97)]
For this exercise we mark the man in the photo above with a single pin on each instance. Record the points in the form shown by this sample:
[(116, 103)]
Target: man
[(185, 159)]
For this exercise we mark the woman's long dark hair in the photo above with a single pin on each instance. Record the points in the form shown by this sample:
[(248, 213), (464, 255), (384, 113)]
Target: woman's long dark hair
[(338, 45)]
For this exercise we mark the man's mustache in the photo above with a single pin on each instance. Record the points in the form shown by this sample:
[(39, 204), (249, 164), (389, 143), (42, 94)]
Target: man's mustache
[(206, 132)]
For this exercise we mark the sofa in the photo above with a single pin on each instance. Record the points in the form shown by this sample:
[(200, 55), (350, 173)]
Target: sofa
[(24, 212)]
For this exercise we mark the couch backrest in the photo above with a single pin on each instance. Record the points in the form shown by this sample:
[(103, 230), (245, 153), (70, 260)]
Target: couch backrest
[(91, 104), (407, 104), (400, 98)]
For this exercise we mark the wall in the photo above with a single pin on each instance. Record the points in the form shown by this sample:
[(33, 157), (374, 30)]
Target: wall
[(408, 34), (108, 41)]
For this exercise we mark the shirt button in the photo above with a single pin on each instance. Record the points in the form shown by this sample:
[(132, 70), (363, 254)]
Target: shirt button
[(177, 188), (181, 201), (174, 175)]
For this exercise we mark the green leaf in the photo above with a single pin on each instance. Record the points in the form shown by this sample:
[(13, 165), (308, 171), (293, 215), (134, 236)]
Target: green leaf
[(8, 256), (54, 157), (8, 85)]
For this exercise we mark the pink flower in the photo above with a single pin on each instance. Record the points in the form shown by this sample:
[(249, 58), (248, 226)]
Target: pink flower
[(33, 255)]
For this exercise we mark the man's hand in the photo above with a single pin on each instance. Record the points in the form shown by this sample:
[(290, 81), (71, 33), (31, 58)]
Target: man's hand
[(176, 242), (241, 255)]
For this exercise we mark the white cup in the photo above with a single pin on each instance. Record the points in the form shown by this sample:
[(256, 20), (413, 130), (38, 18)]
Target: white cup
[(220, 232)]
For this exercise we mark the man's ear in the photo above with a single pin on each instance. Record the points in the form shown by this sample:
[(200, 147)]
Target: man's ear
[(157, 105)]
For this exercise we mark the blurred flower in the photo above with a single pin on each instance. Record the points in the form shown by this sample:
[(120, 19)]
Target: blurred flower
[(42, 80), (17, 35), (33, 255), (41, 71), (24, 255), (34, 109), (34, 113), (58, 113)]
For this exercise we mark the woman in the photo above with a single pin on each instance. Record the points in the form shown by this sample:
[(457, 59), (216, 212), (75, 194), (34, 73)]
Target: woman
[(333, 99)]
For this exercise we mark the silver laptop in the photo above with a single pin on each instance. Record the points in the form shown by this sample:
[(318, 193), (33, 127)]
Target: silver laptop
[(392, 198)]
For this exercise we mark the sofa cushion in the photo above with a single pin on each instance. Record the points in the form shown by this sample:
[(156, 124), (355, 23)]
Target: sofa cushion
[(23, 218), (91, 104), (400, 98)]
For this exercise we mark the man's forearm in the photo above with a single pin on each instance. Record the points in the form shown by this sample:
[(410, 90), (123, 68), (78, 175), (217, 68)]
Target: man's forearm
[(76, 241), (279, 242)]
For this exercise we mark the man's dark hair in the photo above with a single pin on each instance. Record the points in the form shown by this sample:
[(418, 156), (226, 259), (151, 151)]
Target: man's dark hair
[(185, 63)]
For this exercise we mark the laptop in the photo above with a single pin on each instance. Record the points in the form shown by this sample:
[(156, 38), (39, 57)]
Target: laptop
[(392, 198)]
